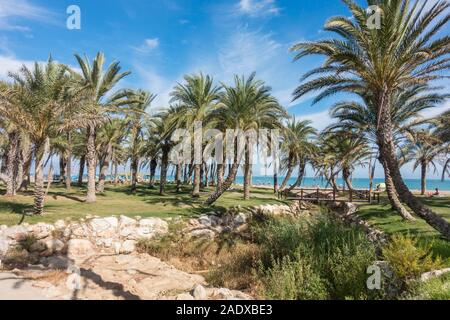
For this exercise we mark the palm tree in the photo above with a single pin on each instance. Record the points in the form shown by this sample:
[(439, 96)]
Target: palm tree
[(109, 138), (95, 84), (296, 145), (248, 105), (424, 149), (37, 104), (163, 127), (135, 121), (405, 114), (199, 96), (402, 53)]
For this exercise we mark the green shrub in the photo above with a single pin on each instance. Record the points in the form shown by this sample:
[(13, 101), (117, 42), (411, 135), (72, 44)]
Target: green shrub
[(434, 289), (339, 255), (407, 259), (27, 242), (292, 279)]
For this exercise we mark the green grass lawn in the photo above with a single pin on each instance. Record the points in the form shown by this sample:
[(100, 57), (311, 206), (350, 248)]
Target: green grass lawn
[(384, 218), (146, 202)]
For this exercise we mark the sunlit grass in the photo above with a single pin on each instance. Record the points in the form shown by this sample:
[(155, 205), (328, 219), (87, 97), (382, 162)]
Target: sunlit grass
[(146, 202)]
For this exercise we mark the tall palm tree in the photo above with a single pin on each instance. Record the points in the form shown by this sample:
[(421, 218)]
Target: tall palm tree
[(109, 138), (163, 127), (296, 145), (136, 118), (37, 104), (423, 149), (199, 96), (245, 106), (403, 52), (361, 117), (95, 84)]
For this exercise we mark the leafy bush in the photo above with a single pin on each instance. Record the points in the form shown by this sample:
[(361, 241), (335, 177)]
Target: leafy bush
[(434, 289), (339, 255), (407, 259), (292, 279)]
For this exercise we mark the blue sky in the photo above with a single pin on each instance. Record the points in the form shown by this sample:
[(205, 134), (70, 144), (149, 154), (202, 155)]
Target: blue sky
[(161, 40)]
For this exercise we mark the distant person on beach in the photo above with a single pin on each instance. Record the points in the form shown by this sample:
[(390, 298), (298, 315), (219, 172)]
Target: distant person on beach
[(435, 194)]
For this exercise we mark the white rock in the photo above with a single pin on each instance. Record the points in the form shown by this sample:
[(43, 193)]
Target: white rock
[(79, 249), (199, 292), (156, 224), (205, 220), (42, 230), (104, 227), (117, 245), (60, 224), (17, 233), (128, 232), (184, 296), (142, 232), (55, 245), (4, 246), (128, 246), (240, 219), (125, 221)]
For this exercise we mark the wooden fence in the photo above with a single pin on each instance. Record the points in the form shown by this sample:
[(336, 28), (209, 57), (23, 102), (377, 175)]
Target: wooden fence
[(327, 195)]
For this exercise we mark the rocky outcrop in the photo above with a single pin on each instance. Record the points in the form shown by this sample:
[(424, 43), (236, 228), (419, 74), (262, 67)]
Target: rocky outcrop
[(210, 225), (80, 240)]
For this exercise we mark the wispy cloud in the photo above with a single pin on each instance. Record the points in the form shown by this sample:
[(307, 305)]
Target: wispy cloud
[(258, 8), (11, 64), (10, 10), (148, 46)]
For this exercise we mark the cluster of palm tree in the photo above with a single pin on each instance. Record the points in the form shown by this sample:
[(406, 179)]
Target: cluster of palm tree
[(52, 110), (390, 71)]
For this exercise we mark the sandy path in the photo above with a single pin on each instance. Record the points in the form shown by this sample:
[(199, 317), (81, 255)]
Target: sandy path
[(13, 287)]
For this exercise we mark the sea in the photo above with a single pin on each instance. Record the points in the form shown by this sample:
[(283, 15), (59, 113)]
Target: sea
[(358, 183)]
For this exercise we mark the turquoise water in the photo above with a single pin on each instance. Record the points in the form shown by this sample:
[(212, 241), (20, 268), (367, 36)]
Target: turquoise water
[(358, 183)]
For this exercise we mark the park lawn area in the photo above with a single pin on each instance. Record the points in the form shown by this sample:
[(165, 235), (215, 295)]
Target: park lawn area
[(60, 204), (385, 219)]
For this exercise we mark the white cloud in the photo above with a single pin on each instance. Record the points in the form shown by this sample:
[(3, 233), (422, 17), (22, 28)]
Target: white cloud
[(258, 8), (246, 51), (11, 9), (320, 120), (148, 46), (11, 64)]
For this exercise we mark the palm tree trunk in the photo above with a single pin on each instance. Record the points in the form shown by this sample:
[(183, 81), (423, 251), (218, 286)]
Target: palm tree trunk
[(206, 174), (62, 168), (178, 176), (11, 163), (247, 174), (393, 195), (346, 175), (91, 164), (225, 186), (287, 177), (69, 162), (104, 165), (387, 151), (423, 178), (164, 166), (275, 183), (134, 169), (25, 182), (116, 173), (81, 170), (153, 165), (196, 190), (39, 191), (220, 174), (301, 174)]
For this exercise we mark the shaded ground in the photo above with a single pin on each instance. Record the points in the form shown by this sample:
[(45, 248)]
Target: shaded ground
[(119, 200)]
